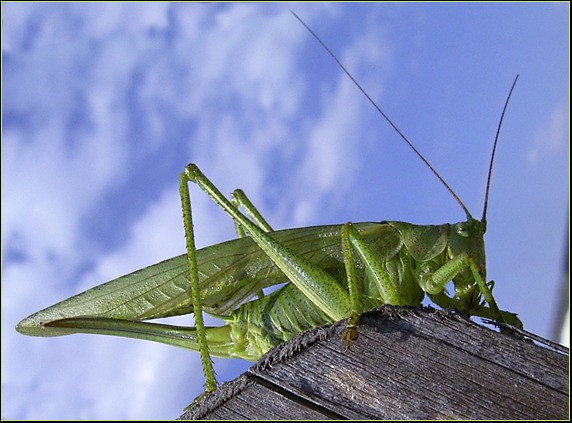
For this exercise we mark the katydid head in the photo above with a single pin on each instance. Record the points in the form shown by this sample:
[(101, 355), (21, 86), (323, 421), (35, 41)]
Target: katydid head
[(468, 237)]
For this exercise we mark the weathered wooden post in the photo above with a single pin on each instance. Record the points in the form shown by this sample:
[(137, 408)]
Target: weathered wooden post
[(406, 364)]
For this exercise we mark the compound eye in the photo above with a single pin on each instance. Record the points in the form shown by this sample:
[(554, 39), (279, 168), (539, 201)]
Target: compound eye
[(462, 229)]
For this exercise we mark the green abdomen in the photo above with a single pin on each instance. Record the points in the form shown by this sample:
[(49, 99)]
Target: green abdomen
[(262, 324)]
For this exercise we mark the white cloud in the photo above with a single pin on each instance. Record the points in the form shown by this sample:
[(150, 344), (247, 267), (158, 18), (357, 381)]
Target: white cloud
[(551, 139)]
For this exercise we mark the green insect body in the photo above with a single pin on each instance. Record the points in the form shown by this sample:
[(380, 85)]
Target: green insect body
[(410, 254), (330, 273)]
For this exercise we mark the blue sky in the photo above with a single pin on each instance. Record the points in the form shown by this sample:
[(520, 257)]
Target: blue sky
[(104, 104)]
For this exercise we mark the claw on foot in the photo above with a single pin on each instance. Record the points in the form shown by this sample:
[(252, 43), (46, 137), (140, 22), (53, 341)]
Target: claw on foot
[(349, 335), (351, 332)]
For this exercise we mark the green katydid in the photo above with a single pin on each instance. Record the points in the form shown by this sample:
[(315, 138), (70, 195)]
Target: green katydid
[(334, 272)]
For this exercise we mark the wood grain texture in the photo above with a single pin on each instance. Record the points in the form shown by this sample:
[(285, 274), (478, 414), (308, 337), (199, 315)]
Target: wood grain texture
[(406, 364)]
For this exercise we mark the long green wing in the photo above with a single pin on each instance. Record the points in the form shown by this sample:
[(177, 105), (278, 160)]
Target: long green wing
[(230, 273)]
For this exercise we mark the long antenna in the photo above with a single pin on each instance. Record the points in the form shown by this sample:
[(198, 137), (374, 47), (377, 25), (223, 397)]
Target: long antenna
[(469, 217), (484, 219)]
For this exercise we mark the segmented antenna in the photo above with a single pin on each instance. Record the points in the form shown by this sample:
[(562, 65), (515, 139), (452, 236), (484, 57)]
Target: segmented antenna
[(484, 219), (469, 217)]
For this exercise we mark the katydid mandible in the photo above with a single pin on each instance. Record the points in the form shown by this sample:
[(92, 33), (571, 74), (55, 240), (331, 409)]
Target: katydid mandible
[(332, 273)]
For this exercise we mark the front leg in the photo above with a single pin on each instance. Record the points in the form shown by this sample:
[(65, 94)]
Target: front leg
[(434, 284)]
